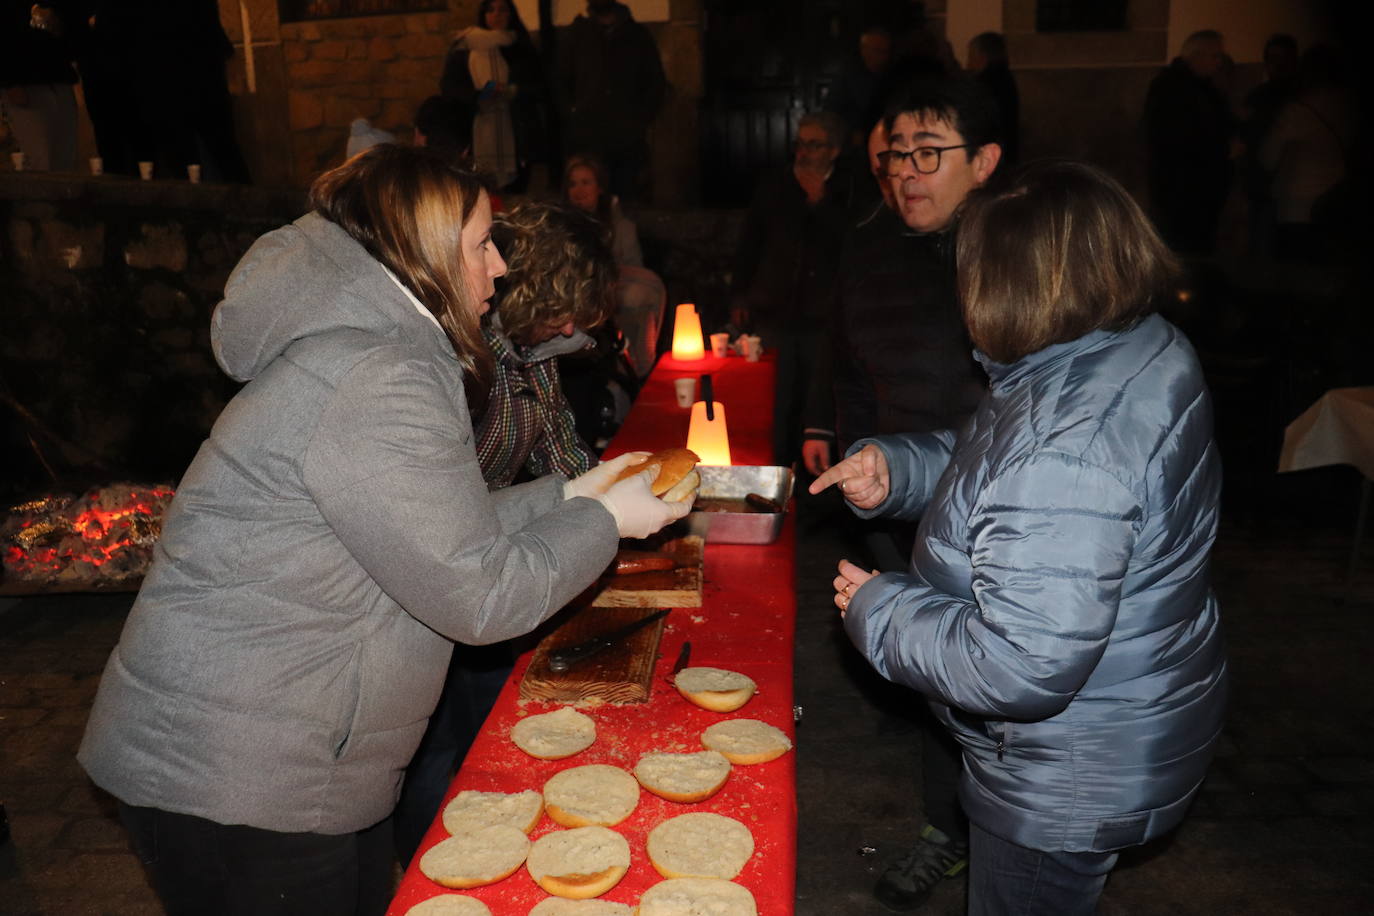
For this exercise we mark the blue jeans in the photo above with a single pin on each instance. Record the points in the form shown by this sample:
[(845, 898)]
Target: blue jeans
[(202, 868), (1005, 879)]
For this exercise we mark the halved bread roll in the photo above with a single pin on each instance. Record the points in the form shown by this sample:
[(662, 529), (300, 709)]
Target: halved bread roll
[(700, 845), (683, 777), (715, 688), (469, 810), (676, 478), (554, 735), (593, 794), (484, 856), (562, 906), (746, 741), (695, 896), (450, 905), (579, 863)]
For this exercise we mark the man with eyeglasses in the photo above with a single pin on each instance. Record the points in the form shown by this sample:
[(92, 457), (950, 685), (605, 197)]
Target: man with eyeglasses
[(901, 362)]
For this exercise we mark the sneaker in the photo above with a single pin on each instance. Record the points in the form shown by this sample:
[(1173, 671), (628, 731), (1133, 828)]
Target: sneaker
[(907, 883)]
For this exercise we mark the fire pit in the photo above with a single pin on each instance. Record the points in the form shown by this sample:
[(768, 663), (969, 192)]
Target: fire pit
[(101, 540)]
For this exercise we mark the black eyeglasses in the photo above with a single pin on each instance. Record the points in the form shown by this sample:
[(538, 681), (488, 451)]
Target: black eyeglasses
[(811, 146), (924, 159)]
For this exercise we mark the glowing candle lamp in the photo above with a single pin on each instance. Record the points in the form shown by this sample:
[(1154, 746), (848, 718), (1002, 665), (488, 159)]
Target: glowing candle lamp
[(687, 339), (708, 437)]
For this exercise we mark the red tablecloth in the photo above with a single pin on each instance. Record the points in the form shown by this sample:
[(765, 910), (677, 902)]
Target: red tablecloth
[(745, 624)]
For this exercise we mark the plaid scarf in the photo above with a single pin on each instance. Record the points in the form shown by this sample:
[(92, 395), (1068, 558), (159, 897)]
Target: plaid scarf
[(528, 423)]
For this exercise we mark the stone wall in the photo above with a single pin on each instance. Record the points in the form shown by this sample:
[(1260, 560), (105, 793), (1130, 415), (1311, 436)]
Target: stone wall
[(106, 291), (380, 68)]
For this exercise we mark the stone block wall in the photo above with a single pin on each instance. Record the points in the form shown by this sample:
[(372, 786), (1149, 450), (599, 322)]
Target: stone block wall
[(106, 291), (380, 68)]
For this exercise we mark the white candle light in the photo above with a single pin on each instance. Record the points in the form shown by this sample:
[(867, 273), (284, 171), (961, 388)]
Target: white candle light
[(709, 437), (687, 340)]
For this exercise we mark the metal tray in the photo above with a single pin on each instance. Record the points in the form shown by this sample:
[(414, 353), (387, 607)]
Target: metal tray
[(735, 482)]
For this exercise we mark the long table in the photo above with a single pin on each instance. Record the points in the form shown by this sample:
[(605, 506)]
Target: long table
[(745, 624)]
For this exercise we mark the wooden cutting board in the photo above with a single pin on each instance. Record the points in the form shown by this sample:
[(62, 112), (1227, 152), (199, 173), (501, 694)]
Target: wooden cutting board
[(619, 674), (679, 587)]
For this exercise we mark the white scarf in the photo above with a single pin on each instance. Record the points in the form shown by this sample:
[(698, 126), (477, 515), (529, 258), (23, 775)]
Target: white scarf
[(485, 62)]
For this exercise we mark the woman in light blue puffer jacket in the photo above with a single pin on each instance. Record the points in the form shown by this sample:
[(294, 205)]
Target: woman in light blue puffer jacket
[(1057, 613)]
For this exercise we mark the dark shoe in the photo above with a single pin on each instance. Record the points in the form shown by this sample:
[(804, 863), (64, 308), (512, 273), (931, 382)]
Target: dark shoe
[(907, 883)]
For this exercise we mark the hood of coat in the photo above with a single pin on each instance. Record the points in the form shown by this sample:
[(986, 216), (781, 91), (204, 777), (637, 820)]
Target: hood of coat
[(306, 279), (558, 345)]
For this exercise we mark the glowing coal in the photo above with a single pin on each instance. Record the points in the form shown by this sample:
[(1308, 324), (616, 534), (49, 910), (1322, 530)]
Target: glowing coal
[(101, 540)]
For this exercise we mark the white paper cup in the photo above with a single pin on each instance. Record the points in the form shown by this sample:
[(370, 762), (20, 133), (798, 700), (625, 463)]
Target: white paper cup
[(752, 346), (193, 173), (145, 170), (720, 344), (17, 160), (97, 165), (686, 389)]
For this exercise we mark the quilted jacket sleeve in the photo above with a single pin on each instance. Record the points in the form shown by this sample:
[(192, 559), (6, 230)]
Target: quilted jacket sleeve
[(1049, 546), (393, 470), (915, 462)]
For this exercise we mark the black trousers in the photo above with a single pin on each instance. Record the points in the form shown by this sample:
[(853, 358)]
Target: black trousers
[(942, 760), (202, 868)]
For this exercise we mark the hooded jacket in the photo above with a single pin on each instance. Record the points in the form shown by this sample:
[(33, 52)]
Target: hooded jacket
[(329, 541), (1058, 612)]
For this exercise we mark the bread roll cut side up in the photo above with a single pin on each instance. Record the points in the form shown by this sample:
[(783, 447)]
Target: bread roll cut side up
[(694, 896), (596, 794), (554, 735), (715, 688), (746, 741), (700, 845), (581, 863), (470, 810), (483, 856), (685, 778), (450, 905)]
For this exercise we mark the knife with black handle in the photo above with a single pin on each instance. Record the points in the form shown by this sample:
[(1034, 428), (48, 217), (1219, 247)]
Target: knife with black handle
[(561, 660)]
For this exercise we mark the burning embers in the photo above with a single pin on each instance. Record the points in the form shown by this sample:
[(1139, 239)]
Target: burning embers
[(101, 540)]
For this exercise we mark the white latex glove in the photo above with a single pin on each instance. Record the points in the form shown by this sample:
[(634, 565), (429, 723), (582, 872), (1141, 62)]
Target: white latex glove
[(638, 513), (595, 482)]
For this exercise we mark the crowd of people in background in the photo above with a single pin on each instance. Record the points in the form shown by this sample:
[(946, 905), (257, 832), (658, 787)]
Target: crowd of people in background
[(152, 76), (956, 390)]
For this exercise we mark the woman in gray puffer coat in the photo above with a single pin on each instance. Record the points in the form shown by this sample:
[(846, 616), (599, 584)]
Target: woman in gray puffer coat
[(329, 543), (1057, 613)]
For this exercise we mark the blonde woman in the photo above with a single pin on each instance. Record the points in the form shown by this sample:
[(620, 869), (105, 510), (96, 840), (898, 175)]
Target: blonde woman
[(331, 540)]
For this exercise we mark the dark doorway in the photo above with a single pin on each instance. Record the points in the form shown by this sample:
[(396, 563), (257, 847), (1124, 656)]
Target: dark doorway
[(767, 62)]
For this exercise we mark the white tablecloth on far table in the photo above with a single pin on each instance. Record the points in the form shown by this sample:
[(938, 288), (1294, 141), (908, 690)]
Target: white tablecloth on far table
[(1338, 429)]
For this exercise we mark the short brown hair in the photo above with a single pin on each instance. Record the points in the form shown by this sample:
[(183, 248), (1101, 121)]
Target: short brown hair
[(598, 169), (1056, 251), (407, 206), (560, 268)]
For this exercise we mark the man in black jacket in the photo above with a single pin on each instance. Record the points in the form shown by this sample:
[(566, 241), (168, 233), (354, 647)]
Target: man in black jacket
[(1189, 130), (784, 273), (610, 86), (902, 362)]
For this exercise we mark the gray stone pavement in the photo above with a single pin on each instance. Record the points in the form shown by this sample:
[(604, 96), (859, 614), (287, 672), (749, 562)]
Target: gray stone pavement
[(1284, 824)]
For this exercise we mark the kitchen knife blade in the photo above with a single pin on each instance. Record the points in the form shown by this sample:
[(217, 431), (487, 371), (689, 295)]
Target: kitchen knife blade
[(562, 659), (684, 655)]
